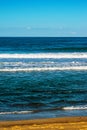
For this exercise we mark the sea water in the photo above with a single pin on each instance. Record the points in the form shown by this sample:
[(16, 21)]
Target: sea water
[(42, 77)]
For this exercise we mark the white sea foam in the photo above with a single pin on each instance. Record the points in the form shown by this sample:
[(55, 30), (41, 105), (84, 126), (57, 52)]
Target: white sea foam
[(43, 69), (71, 108), (16, 112), (45, 55), (75, 108)]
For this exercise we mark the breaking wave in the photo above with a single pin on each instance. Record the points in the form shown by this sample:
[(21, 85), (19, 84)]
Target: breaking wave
[(15, 112), (75, 108), (70, 108), (46, 55), (43, 69)]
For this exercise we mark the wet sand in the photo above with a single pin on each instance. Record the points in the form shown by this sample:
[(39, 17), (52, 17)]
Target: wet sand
[(65, 123)]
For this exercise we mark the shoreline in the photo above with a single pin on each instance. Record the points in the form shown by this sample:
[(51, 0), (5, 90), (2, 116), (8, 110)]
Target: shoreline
[(46, 124)]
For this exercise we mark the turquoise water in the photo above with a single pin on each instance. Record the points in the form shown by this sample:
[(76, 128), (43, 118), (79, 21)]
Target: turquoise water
[(43, 77)]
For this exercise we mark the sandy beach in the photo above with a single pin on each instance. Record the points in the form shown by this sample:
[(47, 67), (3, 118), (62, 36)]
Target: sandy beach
[(65, 123)]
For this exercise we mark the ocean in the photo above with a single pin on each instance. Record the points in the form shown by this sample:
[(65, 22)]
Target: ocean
[(43, 77)]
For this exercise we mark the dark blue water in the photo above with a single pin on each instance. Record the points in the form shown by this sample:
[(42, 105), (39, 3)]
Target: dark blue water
[(29, 45), (43, 77)]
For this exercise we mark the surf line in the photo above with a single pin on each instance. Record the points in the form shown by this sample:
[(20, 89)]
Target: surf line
[(44, 69)]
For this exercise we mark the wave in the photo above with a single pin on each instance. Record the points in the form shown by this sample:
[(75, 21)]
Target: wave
[(46, 55), (71, 108), (75, 108), (16, 112), (43, 69)]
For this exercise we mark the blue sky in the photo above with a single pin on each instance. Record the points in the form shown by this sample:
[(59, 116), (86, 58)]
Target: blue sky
[(43, 18)]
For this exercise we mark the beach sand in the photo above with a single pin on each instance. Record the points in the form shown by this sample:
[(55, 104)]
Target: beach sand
[(65, 123)]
